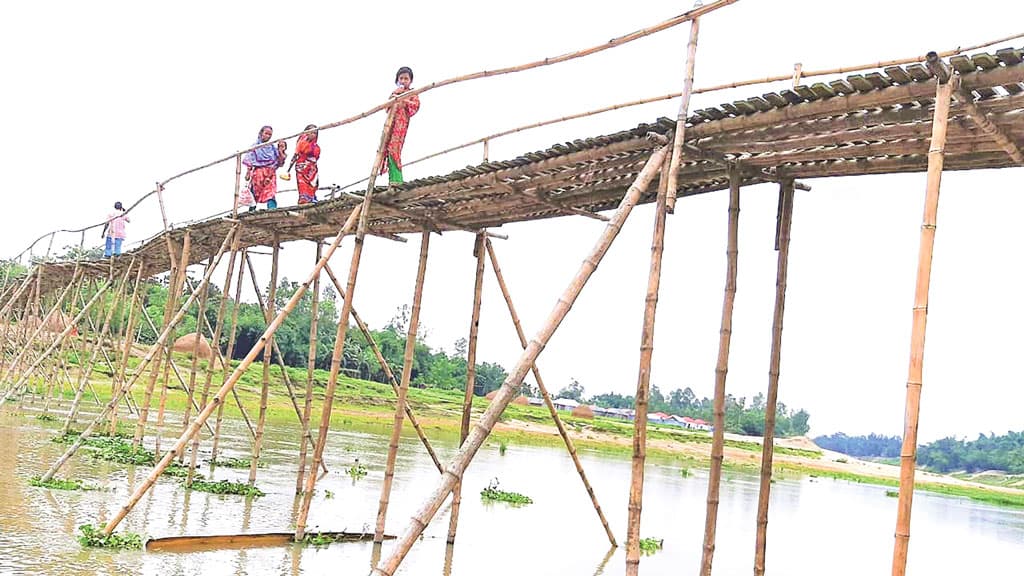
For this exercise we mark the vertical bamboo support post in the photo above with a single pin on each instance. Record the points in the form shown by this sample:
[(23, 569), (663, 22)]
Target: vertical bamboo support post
[(236, 375), (44, 321), (268, 352), (147, 398), (721, 371), (684, 109), (403, 389), (307, 408), (467, 405), (154, 351), (339, 340), (636, 487), (453, 472), (172, 300), (768, 441), (228, 355), (908, 454), (238, 188), (569, 444), (194, 367), (129, 341), (215, 345)]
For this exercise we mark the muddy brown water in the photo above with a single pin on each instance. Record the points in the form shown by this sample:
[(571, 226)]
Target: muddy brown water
[(816, 525)]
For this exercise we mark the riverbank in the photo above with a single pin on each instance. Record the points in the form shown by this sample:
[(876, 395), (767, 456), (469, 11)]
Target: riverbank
[(371, 404)]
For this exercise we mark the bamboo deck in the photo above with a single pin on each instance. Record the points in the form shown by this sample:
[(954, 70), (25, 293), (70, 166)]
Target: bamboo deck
[(874, 123)]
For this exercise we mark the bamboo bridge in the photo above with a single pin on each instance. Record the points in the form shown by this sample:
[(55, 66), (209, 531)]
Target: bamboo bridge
[(928, 114)]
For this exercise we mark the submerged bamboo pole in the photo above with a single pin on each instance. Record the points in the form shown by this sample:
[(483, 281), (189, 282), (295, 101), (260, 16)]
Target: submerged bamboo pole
[(684, 110), (307, 407), (771, 403), (154, 351), (403, 389), (467, 405), (453, 472), (569, 444), (721, 371), (636, 487), (215, 345), (227, 359), (268, 352), (908, 454)]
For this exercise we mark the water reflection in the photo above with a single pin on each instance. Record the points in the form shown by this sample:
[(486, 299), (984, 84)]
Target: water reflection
[(847, 527)]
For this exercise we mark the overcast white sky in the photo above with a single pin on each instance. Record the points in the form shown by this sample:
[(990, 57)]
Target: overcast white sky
[(101, 99)]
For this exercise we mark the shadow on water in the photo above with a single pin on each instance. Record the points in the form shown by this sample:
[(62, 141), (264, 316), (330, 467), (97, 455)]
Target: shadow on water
[(812, 524)]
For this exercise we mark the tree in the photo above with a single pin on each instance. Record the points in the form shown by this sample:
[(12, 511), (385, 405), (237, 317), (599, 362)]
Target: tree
[(574, 391)]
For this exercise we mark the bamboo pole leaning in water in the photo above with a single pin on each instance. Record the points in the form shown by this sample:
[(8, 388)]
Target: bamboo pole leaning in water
[(215, 347), (172, 300), (453, 472), (403, 389), (342, 331), (387, 370), (684, 110), (908, 454), (307, 407), (229, 353), (231, 381), (636, 487), (467, 406), (768, 439), (268, 352), (154, 351), (194, 367), (721, 372), (569, 444)]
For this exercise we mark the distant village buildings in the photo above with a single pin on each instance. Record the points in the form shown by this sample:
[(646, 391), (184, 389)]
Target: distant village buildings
[(568, 405)]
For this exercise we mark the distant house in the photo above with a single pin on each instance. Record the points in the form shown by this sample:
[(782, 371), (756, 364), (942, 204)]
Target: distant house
[(692, 423), (565, 404), (536, 401), (660, 418)]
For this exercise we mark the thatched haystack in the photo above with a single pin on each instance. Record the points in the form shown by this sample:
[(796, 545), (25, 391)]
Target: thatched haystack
[(583, 411), (521, 400), (186, 343)]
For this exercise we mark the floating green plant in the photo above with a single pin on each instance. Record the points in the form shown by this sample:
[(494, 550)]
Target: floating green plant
[(892, 493), (93, 537), (328, 494), (650, 545), (502, 447), (233, 463), (357, 470), (684, 472), (494, 493), (58, 484), (317, 539), (46, 417), (226, 487)]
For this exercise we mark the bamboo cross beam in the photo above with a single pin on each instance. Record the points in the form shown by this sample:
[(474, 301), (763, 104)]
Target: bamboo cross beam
[(544, 199), (230, 383), (403, 389), (569, 444), (721, 372), (908, 454), (453, 472), (386, 368), (771, 403), (684, 110), (988, 127)]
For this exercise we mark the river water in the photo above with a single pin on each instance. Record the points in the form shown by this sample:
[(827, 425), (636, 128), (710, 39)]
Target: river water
[(816, 526)]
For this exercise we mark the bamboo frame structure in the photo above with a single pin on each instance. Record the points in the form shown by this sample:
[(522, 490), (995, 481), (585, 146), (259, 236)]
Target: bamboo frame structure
[(721, 372), (403, 389), (172, 299), (307, 408), (771, 402), (569, 444), (227, 360), (453, 472), (467, 403), (908, 454), (194, 367), (684, 110), (268, 352)]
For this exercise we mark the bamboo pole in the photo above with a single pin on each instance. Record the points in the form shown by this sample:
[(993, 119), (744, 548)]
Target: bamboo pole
[(467, 405), (9, 304), (172, 299), (684, 109), (10, 371), (227, 359), (387, 370), (721, 371), (403, 389), (768, 443), (230, 382), (154, 351), (215, 345), (129, 341), (339, 339), (569, 444), (194, 368), (238, 185), (908, 454), (636, 487), (453, 472), (307, 408), (268, 352), (147, 398)]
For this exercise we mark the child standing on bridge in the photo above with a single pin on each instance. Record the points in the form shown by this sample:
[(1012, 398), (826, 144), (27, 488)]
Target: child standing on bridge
[(113, 231), (404, 110)]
